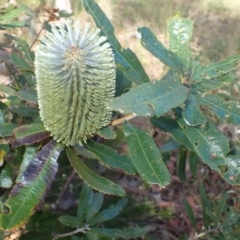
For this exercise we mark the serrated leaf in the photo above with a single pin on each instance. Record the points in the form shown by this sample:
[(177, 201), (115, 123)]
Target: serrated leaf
[(179, 34), (226, 111), (31, 186), (210, 144), (109, 213), (85, 201), (151, 99), (69, 221), (207, 85), (122, 83), (20, 62), (157, 49), (96, 205), (110, 158), (171, 126), (91, 178), (106, 133), (192, 115), (214, 70), (7, 90), (126, 60), (28, 95), (145, 156), (23, 110), (6, 129), (29, 134)]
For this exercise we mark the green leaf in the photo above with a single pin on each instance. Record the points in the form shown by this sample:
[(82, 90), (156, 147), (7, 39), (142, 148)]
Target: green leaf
[(122, 83), (85, 202), (193, 163), (109, 213), (28, 95), (2, 118), (23, 110), (210, 144), (171, 126), (226, 111), (192, 115), (181, 164), (12, 14), (126, 60), (157, 49), (222, 204), (190, 213), (96, 205), (91, 178), (31, 186), (125, 233), (145, 156), (110, 158), (6, 177), (37, 235), (29, 134), (6, 129), (179, 34), (69, 221), (7, 90), (81, 150), (106, 133), (151, 99), (20, 62), (207, 85), (214, 70)]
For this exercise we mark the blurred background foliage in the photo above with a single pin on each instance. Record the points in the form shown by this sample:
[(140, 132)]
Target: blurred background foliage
[(196, 195)]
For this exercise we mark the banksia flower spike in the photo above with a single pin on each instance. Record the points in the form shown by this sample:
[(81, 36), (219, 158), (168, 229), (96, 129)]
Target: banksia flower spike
[(75, 72)]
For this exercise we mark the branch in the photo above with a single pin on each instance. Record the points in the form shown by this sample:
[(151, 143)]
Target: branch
[(82, 230), (121, 120)]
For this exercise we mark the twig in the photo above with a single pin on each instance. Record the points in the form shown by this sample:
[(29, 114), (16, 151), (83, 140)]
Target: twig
[(51, 17), (121, 120), (205, 233), (83, 230), (65, 186)]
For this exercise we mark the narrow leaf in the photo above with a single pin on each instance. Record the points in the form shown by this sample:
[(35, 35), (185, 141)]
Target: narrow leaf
[(29, 134), (192, 115), (179, 34), (2, 118), (69, 221), (91, 178), (109, 213), (31, 186), (181, 164), (6, 129), (122, 84), (151, 43), (145, 156), (28, 95), (6, 177), (171, 126), (127, 62), (226, 111), (12, 14), (151, 99), (190, 213), (84, 204), (110, 158), (215, 69), (96, 205), (23, 110), (7, 90), (106, 133)]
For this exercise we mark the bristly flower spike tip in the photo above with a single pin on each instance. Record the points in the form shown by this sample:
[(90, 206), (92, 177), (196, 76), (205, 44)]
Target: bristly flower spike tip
[(75, 72)]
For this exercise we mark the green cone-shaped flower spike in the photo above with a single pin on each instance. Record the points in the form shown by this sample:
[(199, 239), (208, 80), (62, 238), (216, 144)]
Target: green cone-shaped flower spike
[(75, 71)]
